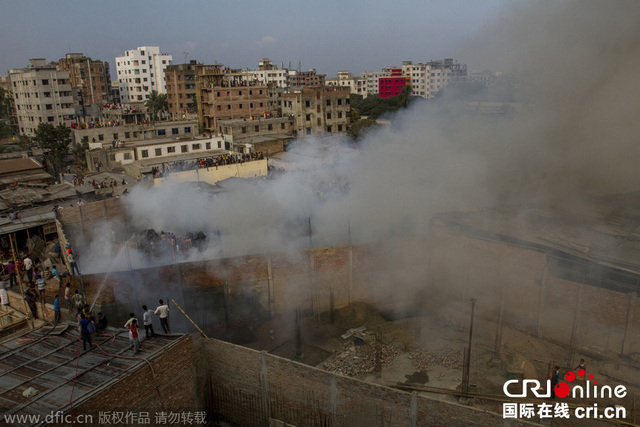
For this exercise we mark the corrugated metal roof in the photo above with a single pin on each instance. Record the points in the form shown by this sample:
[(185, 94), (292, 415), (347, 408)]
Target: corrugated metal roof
[(46, 359)]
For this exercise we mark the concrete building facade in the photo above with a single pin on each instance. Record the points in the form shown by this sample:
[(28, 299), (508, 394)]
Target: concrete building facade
[(42, 94), (91, 78), (268, 136), (180, 83), (318, 110), (141, 71)]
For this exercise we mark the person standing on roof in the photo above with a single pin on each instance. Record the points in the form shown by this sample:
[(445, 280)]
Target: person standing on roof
[(163, 312)]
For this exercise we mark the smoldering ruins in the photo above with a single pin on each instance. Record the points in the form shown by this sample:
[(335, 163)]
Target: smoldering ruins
[(364, 262)]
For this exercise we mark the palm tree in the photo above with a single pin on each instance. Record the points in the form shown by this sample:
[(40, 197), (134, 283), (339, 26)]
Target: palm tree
[(156, 103)]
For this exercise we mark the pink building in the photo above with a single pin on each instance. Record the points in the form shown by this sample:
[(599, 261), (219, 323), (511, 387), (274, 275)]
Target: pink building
[(392, 85)]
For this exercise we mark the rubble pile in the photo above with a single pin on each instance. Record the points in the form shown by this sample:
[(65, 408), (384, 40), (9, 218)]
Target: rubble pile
[(354, 360), (449, 358)]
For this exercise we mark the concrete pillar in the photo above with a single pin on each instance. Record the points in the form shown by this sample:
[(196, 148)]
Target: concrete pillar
[(269, 285), (312, 283), (264, 379), (350, 282), (633, 297), (413, 410), (576, 322), (333, 400), (541, 296), (498, 343)]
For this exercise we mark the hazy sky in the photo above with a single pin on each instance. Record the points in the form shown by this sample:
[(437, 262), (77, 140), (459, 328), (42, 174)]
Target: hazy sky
[(327, 35)]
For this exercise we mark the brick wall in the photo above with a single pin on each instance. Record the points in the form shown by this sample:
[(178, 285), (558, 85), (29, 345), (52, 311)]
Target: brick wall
[(247, 387), (174, 374), (438, 274)]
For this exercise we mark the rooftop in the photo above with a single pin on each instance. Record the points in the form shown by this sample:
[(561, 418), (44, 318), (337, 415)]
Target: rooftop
[(51, 361), (12, 166)]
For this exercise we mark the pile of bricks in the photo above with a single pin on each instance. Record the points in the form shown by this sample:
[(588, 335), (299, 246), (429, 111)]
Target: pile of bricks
[(449, 358)]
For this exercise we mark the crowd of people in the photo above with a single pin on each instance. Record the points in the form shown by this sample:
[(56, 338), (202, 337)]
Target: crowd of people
[(204, 163), (36, 280)]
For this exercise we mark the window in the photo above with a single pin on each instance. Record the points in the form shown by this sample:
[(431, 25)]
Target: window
[(229, 107), (308, 117), (45, 82), (244, 129), (319, 121), (339, 128), (112, 157), (49, 106), (115, 136), (208, 146), (308, 131), (281, 125), (174, 131), (188, 128), (85, 139), (328, 128), (101, 137), (127, 134), (46, 95), (339, 101), (184, 148), (339, 114), (158, 151), (307, 103), (144, 153), (195, 146), (257, 128), (171, 149), (162, 132), (328, 116), (127, 156), (50, 118), (328, 103), (219, 144), (270, 127)]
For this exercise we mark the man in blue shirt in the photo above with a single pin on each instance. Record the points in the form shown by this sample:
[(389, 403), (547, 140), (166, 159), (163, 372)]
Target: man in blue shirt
[(56, 310), (84, 331)]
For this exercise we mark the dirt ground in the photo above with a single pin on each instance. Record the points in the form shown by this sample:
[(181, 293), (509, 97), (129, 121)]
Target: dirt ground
[(429, 353)]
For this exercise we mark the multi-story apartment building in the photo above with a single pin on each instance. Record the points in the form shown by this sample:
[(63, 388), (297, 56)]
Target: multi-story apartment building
[(268, 74), (373, 80), (91, 78), (42, 94), (223, 93), (393, 84), (306, 79), (317, 110), (268, 136), (98, 136), (427, 80), (9, 108), (141, 71), (180, 82), (357, 85)]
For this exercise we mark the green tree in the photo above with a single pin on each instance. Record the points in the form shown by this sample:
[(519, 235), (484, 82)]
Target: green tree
[(5, 129), (80, 153), (156, 103), (359, 128), (54, 140), (354, 115)]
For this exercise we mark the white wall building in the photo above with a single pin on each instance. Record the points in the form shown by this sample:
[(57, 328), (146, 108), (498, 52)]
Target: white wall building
[(372, 79), (140, 71), (356, 85), (42, 94), (267, 73)]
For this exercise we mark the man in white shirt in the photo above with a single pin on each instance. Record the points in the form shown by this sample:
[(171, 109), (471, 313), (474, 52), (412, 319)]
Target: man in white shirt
[(163, 312), (28, 268), (148, 324)]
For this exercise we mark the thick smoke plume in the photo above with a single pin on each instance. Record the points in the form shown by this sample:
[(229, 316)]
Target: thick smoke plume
[(571, 133)]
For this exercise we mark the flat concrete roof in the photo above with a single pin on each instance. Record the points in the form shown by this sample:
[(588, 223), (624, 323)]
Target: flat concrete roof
[(11, 166), (47, 358)]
